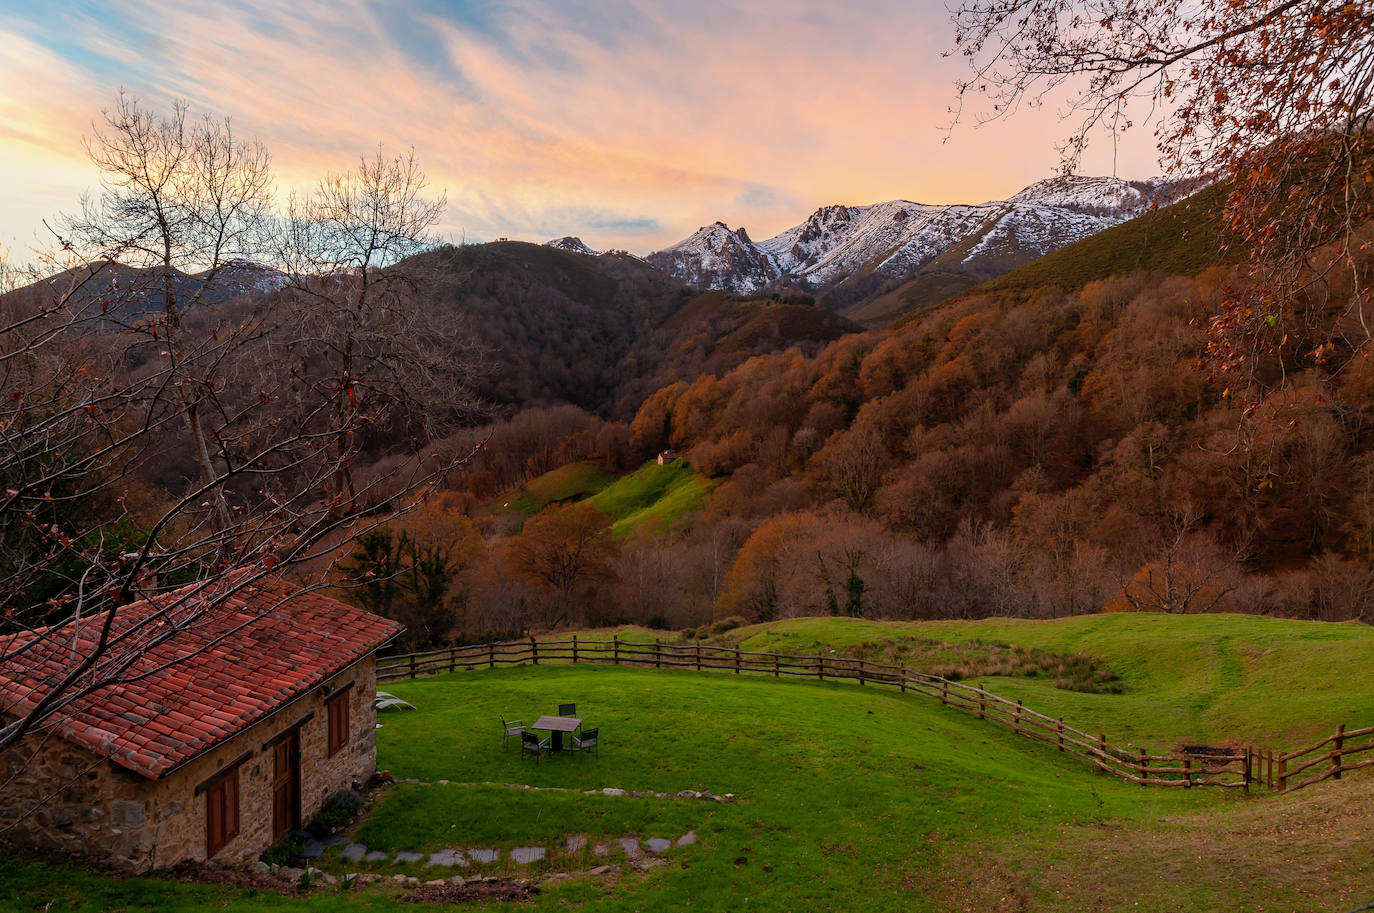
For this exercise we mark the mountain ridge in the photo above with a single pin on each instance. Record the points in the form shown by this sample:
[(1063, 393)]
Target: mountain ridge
[(891, 242)]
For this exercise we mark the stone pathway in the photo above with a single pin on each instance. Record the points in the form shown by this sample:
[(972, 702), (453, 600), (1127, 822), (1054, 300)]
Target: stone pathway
[(524, 855), (466, 857), (702, 795)]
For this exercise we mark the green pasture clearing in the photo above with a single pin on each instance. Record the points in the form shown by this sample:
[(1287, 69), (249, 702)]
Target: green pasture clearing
[(652, 493), (572, 482), (1236, 679)]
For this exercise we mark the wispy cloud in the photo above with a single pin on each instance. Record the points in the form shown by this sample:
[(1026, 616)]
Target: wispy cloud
[(630, 122)]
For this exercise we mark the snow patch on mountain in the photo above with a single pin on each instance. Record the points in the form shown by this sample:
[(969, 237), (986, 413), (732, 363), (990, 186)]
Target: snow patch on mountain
[(899, 237), (572, 245), (717, 257), (238, 277)]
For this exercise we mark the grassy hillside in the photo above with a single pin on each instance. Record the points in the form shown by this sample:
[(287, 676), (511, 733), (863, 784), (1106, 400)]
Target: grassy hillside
[(1266, 682), (929, 287), (1180, 240), (652, 494), (846, 799), (572, 482)]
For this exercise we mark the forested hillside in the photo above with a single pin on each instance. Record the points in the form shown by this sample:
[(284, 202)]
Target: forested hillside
[(1023, 450)]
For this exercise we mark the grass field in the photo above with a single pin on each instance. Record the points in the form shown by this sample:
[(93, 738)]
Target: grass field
[(851, 798), (652, 494), (572, 482), (1237, 679)]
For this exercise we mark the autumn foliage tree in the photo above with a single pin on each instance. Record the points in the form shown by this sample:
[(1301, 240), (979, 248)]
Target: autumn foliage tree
[(562, 550), (1274, 97)]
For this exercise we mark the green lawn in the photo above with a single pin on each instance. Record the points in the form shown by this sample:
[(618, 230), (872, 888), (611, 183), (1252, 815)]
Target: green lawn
[(847, 799), (1199, 678)]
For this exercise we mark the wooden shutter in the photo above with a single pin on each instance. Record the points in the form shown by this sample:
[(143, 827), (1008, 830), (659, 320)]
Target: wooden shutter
[(338, 723), (221, 812)]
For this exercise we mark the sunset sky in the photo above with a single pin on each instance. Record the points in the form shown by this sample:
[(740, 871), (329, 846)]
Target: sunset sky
[(627, 122)]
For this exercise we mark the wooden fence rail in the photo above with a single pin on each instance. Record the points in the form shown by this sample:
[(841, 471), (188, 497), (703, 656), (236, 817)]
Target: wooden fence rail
[(1227, 768)]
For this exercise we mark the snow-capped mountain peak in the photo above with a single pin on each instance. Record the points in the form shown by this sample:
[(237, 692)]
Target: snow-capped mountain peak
[(715, 256), (893, 240), (1091, 194), (572, 245)]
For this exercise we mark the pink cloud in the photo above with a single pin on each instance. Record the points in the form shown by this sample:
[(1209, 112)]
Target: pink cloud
[(657, 119)]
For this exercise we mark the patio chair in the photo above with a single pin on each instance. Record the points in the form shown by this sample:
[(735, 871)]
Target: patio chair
[(567, 710), (513, 727), (586, 741), (532, 744)]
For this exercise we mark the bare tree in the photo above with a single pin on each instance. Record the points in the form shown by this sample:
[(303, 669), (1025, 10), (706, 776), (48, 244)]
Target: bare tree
[(1276, 97), (365, 341), (118, 355), (178, 200)]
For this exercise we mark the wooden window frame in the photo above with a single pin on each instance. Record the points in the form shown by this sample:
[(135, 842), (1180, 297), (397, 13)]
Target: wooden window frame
[(338, 722), (221, 811)]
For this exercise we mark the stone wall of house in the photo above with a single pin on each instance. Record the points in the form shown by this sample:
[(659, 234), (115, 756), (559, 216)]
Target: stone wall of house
[(82, 804), (60, 797)]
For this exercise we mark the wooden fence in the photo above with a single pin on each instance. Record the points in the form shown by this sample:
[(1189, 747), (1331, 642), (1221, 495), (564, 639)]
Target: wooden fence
[(1200, 766)]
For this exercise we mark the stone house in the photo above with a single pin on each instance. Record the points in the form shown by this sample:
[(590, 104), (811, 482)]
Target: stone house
[(246, 708)]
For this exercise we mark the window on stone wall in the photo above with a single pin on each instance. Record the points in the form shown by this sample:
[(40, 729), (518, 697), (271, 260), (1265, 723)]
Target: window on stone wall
[(338, 723), (221, 811)]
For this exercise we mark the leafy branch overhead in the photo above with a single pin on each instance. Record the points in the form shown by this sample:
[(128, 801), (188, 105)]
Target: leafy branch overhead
[(1274, 98)]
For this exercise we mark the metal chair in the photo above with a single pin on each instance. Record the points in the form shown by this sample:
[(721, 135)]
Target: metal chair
[(586, 741), (514, 727), (567, 710), (532, 744)]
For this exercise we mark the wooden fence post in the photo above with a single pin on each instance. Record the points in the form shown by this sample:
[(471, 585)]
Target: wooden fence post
[(902, 680), (1245, 770), (698, 656), (412, 667), (1336, 755), (737, 652), (861, 671), (574, 649), (1283, 774), (820, 665), (658, 654), (1187, 773), (1144, 766), (615, 648), (776, 662), (1016, 719), (982, 704), (534, 650), (1102, 745), (944, 691), (1059, 731), (491, 656)]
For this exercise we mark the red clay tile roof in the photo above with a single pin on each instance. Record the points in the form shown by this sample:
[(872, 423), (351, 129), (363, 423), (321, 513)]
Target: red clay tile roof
[(215, 662)]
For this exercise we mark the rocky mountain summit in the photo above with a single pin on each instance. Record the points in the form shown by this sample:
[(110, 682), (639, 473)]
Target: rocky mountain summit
[(892, 241)]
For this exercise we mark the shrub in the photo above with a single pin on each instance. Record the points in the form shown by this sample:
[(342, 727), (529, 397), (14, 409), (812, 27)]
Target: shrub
[(727, 624), (288, 851), (337, 813)]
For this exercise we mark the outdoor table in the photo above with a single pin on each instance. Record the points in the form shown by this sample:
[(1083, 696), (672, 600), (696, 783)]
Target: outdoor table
[(557, 725)]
